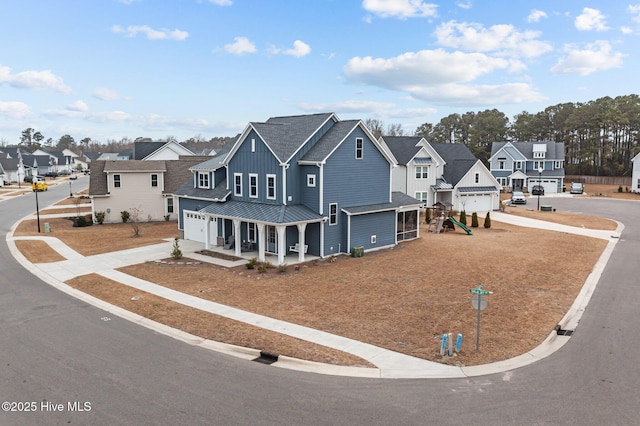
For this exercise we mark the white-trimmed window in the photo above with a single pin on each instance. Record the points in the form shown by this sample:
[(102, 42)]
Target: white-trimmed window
[(169, 205), (203, 180), (271, 187), (422, 172), (253, 145), (501, 163), (422, 196), (116, 181), (237, 184), (311, 180), (154, 180), (558, 164), (253, 185), (537, 165), (359, 148), (333, 213), (518, 165)]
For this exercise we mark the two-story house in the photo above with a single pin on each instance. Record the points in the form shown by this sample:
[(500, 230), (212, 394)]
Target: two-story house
[(519, 166), (307, 184), (148, 186), (447, 173)]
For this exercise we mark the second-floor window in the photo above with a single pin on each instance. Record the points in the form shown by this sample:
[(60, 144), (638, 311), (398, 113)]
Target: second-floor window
[(422, 172), (203, 180), (518, 165), (311, 180), (422, 196), (501, 164), (253, 185), (237, 184), (333, 213), (154, 180), (116, 181), (271, 187), (538, 165), (359, 148)]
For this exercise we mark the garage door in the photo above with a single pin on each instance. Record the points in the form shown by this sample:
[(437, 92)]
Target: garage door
[(550, 185), (194, 227), (476, 203)]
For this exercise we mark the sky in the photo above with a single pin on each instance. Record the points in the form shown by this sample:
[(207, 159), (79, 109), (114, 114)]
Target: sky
[(110, 69)]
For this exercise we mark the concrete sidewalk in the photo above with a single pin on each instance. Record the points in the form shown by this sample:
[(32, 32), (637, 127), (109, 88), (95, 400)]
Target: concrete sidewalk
[(389, 364)]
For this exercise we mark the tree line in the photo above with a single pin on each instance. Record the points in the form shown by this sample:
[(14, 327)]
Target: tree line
[(600, 137)]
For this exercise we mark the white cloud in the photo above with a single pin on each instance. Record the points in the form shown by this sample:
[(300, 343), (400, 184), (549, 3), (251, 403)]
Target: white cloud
[(439, 76), (401, 9), (594, 57), (626, 30), (634, 9), (468, 5), (79, 106), (503, 39), (536, 15), (162, 34), (221, 2), (591, 19), (105, 94), (240, 46), (299, 49), (33, 80), (14, 110), (349, 106)]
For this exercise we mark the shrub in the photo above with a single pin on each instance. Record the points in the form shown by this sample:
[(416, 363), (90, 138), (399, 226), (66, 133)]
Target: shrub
[(487, 221), (80, 221), (263, 266), (252, 263), (282, 268), (463, 218), (474, 220), (620, 188), (125, 215), (176, 253), (167, 217), (626, 189), (100, 217)]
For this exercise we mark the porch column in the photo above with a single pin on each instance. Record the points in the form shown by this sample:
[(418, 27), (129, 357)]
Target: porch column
[(206, 232), (301, 241), (261, 242), (238, 241), (282, 243)]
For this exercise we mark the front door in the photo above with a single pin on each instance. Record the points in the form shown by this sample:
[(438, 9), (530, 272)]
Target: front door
[(272, 239)]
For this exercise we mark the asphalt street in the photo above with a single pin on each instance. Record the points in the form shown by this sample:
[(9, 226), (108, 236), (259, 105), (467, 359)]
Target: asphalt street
[(58, 354)]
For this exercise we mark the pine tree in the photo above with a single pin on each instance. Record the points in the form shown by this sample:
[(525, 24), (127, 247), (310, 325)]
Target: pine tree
[(487, 221), (474, 220), (463, 218)]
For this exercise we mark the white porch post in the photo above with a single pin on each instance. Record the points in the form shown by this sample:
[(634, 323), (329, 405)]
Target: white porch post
[(206, 232), (301, 241), (238, 241), (261, 242), (282, 240)]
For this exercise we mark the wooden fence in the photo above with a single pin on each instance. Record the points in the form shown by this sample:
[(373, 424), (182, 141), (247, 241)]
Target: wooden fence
[(599, 180)]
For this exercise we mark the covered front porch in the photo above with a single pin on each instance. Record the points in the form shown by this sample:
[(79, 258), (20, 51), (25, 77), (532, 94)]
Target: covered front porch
[(264, 231)]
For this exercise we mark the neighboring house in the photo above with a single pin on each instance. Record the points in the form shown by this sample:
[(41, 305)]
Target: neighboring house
[(14, 171), (148, 186), (38, 164), (2, 175), (125, 154), (519, 166), (107, 156), (10, 152), (159, 151), (447, 173), (310, 184), (635, 173)]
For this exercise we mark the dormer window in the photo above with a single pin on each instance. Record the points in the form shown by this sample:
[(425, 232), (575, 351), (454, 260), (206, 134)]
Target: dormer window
[(539, 150), (203, 180)]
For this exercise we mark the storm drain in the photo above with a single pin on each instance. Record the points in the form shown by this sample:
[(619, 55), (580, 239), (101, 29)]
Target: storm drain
[(562, 332), (266, 358)]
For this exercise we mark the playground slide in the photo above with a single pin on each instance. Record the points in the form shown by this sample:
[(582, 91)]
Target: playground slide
[(464, 227)]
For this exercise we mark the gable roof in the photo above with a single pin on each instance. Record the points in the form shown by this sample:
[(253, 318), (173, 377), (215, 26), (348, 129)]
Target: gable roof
[(40, 160), (144, 149), (9, 164), (212, 163), (284, 136), (403, 148), (329, 141), (97, 178), (458, 158), (555, 150), (133, 166), (178, 171), (10, 151)]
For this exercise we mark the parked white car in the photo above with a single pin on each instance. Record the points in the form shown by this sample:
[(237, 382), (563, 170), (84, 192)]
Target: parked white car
[(517, 197)]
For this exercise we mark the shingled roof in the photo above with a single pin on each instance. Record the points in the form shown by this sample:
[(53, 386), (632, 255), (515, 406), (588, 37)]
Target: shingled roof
[(403, 148), (459, 160)]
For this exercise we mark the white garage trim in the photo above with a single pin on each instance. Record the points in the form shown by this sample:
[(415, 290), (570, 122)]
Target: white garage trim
[(550, 185), (480, 202), (195, 227)]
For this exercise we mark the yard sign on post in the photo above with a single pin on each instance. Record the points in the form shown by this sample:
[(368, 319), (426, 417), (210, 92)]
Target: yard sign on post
[(478, 302)]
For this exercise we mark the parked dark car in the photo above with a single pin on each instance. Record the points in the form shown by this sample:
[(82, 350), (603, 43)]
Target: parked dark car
[(51, 174), (537, 190)]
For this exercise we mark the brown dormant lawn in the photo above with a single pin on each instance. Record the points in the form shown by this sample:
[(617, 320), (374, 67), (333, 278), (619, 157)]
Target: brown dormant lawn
[(402, 299)]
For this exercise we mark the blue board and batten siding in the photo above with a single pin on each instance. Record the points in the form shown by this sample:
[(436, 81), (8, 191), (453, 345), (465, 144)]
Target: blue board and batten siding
[(310, 195), (261, 162), (189, 204)]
